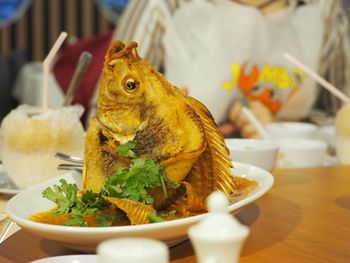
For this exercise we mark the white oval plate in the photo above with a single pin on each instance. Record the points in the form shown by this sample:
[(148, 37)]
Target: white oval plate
[(85, 239)]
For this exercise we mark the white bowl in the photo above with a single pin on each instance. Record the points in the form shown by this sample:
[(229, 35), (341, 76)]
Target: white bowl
[(261, 153), (132, 250), (69, 259), (328, 135), (296, 153), (301, 130), (29, 202)]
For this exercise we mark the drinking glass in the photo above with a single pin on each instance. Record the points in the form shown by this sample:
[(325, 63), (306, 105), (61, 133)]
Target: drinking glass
[(30, 139)]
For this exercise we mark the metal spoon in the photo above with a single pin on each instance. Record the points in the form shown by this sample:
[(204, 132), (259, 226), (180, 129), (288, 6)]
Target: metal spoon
[(69, 158), (70, 167), (80, 70)]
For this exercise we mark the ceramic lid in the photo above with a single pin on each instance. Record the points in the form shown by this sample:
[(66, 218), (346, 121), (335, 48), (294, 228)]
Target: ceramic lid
[(219, 224)]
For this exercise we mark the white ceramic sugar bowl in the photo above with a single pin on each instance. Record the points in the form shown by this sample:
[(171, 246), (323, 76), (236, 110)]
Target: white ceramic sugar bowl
[(219, 237), (132, 250)]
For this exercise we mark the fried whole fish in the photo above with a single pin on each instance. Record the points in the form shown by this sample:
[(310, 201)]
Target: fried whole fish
[(136, 102)]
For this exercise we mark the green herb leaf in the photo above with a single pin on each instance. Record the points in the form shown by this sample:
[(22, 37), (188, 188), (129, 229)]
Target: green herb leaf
[(126, 149), (171, 183), (107, 219), (153, 218), (76, 220), (92, 202), (133, 184), (89, 197), (170, 213), (64, 196)]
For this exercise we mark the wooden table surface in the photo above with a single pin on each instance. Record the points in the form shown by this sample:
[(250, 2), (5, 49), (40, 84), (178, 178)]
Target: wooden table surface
[(305, 217)]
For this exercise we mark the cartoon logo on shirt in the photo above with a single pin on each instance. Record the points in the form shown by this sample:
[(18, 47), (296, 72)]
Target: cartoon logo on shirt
[(272, 85)]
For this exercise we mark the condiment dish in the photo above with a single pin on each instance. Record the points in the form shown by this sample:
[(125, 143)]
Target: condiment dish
[(301, 130), (261, 153)]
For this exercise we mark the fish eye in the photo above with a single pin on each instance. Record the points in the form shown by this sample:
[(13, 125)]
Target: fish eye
[(131, 84)]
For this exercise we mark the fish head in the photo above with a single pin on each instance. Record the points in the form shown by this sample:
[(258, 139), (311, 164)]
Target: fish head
[(126, 91)]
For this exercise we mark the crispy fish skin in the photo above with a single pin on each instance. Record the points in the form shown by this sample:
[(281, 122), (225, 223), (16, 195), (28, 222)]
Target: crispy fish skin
[(167, 128), (177, 131)]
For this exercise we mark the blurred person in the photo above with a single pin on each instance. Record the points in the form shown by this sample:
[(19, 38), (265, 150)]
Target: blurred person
[(229, 53)]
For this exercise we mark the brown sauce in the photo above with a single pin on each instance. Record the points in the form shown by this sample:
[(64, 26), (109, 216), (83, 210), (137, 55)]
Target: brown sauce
[(243, 188), (51, 218)]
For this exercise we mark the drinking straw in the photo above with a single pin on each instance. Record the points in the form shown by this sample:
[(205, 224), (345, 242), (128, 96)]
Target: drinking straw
[(256, 123), (79, 72), (46, 68), (324, 83)]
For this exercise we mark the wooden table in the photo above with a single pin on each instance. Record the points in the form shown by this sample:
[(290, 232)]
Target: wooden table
[(305, 217)]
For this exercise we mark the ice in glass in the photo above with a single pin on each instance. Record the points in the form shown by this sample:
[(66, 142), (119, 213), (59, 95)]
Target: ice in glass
[(31, 138)]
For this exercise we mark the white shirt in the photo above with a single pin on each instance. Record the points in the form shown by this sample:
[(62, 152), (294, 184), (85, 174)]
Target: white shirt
[(222, 49)]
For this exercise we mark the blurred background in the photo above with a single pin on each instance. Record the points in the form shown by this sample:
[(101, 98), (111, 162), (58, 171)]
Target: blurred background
[(28, 29)]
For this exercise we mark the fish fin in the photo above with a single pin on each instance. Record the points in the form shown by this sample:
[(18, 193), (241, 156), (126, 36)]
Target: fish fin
[(221, 162), (136, 212)]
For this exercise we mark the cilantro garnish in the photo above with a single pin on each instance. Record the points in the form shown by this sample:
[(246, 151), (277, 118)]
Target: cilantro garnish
[(131, 183), (65, 196), (107, 219), (93, 201), (76, 220), (171, 183), (170, 213), (126, 149), (153, 218)]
